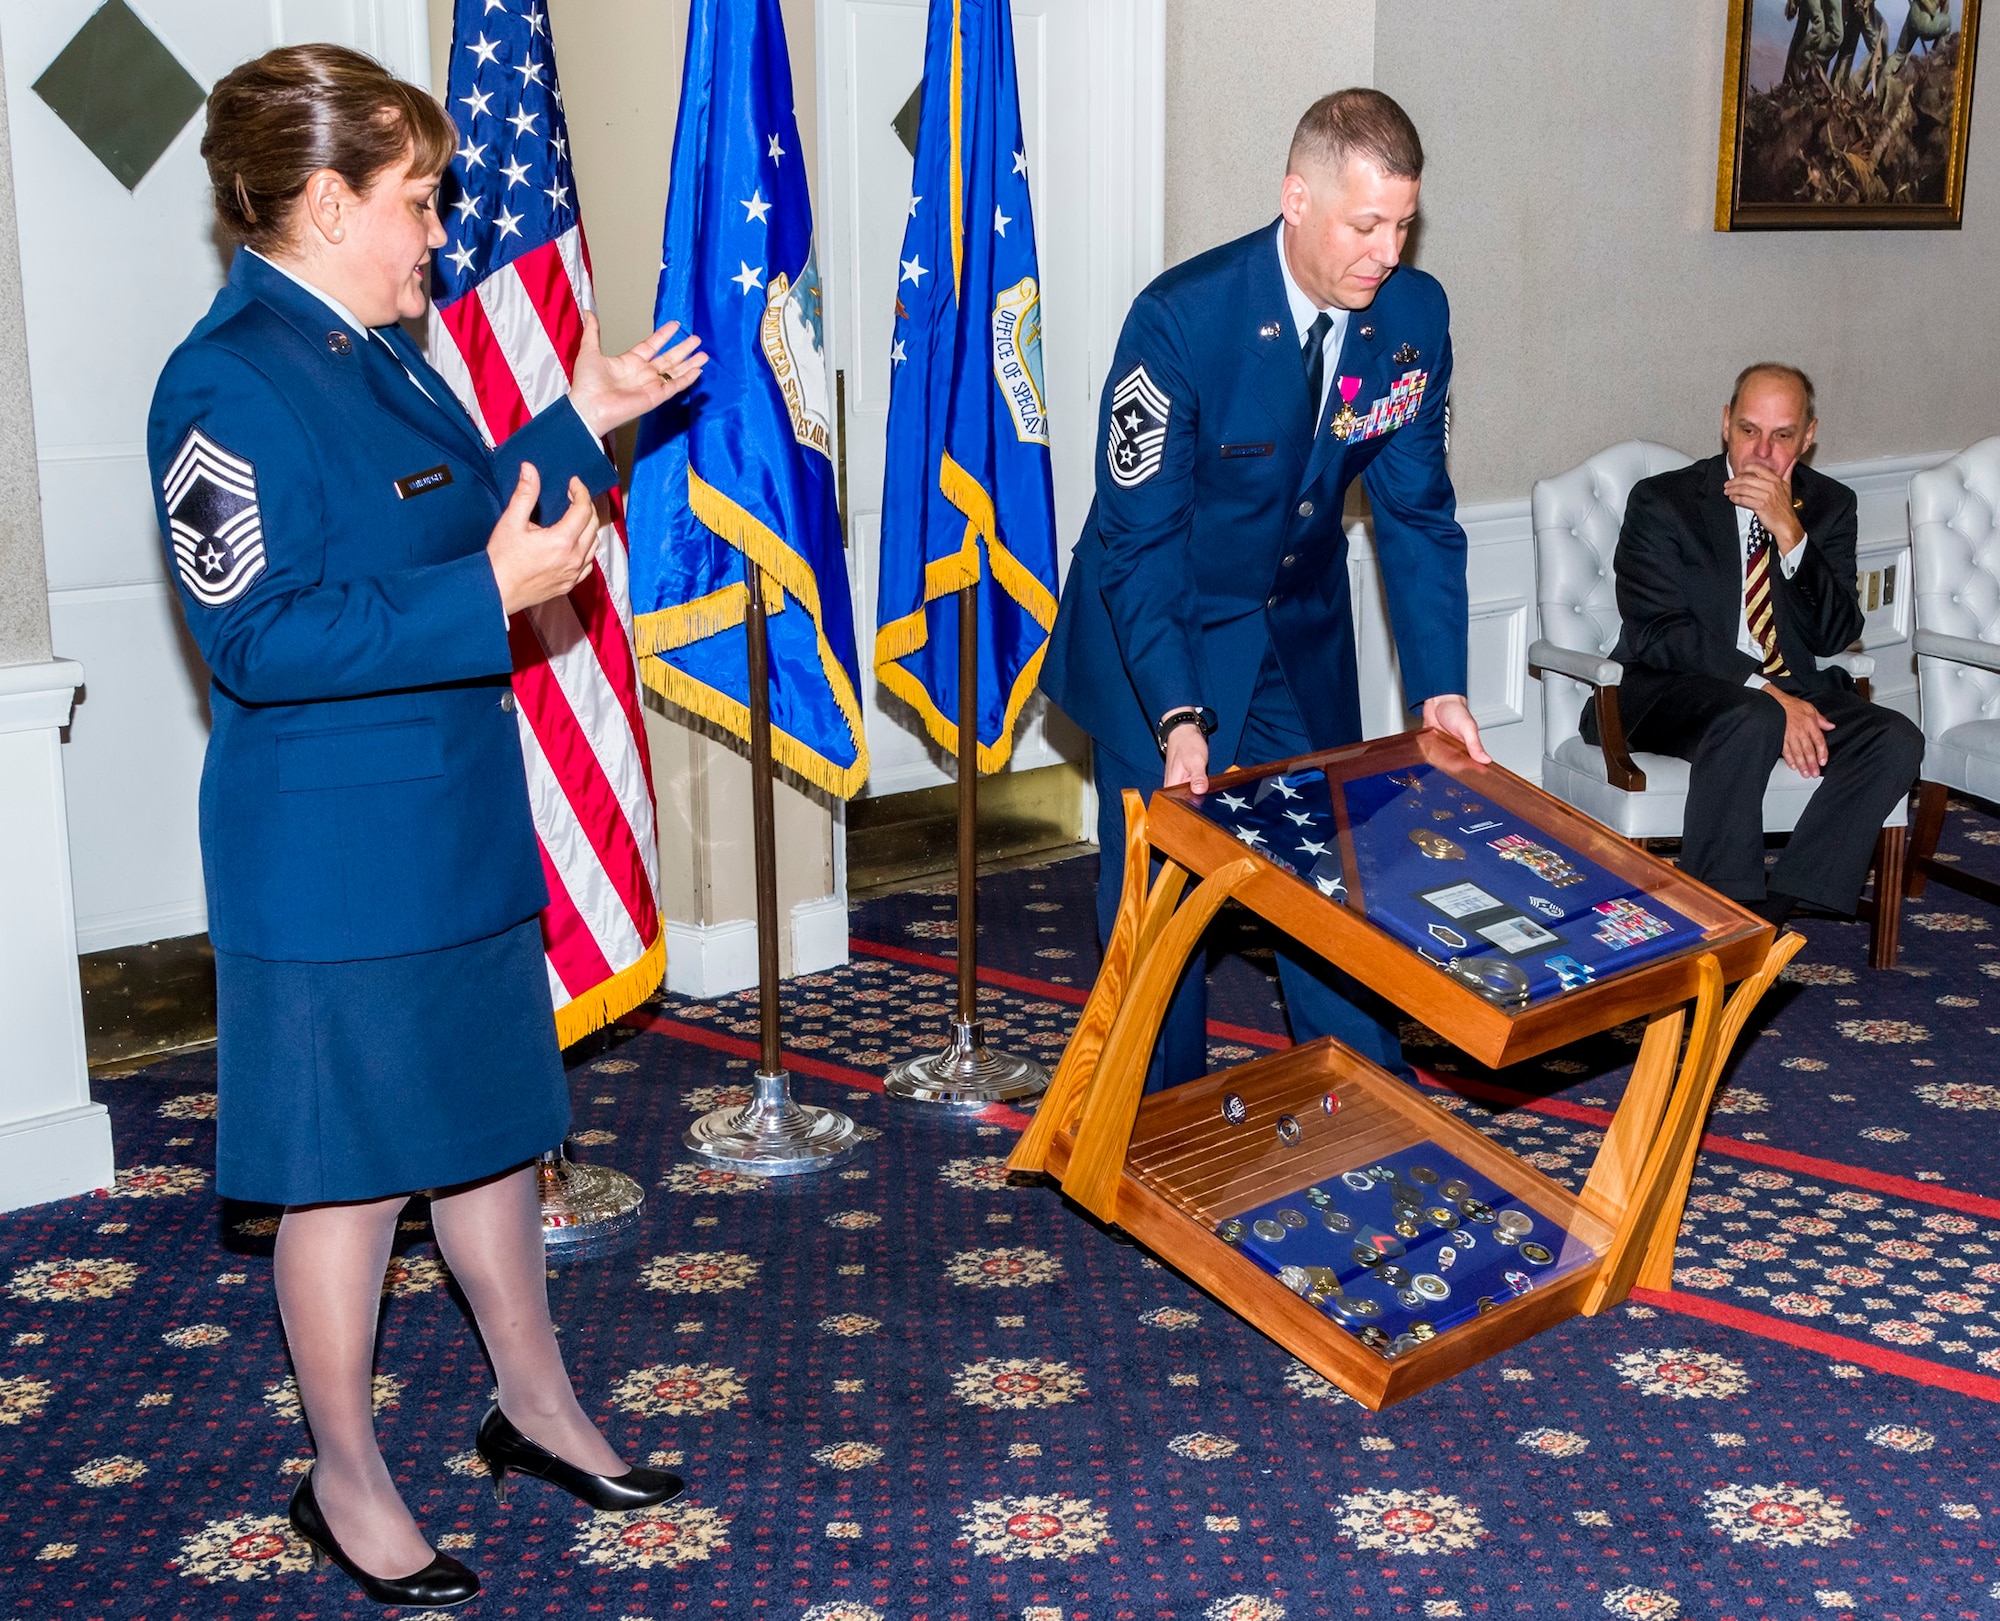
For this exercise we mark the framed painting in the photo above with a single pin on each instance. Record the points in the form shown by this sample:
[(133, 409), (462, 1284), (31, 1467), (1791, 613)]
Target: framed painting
[(1845, 114)]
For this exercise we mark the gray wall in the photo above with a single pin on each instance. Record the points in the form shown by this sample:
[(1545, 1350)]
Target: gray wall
[(1569, 211), (1238, 76), (24, 592)]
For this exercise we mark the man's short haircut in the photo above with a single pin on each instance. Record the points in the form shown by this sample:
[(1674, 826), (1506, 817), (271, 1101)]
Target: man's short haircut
[(1357, 123), (1777, 368)]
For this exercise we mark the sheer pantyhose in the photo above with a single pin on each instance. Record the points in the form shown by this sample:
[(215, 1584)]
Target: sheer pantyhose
[(330, 1264)]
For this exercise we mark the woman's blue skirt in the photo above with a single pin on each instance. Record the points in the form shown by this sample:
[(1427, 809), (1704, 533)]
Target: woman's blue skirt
[(356, 1080)]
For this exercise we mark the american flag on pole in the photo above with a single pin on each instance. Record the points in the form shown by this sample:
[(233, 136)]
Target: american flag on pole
[(511, 287)]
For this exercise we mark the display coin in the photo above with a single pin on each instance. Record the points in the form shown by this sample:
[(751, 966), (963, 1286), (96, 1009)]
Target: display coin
[(1294, 1278), (1318, 1198), (1231, 1231), (1406, 1227), (1423, 1174), (1485, 1304), (1408, 1299), (1355, 1308), (1421, 1331), (1292, 1219), (1455, 1189), (1447, 1258), (1540, 1254), (1431, 1286), (1375, 1340), (1359, 1181), (1476, 1210), (1463, 1239), (1234, 1109), (1443, 1215), (1336, 1221), (1329, 1104), (1404, 1344), (1267, 1229), (1367, 1255), (1289, 1130), (1396, 1277), (1517, 1222), (1401, 1193)]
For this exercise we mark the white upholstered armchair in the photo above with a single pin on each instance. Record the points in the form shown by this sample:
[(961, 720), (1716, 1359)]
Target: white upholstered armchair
[(1955, 541), (1577, 518)]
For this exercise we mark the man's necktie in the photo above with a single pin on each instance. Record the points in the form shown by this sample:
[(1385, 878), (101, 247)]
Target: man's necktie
[(1315, 358), (1757, 599)]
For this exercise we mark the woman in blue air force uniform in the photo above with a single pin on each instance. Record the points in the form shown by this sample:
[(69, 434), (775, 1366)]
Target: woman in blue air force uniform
[(348, 551)]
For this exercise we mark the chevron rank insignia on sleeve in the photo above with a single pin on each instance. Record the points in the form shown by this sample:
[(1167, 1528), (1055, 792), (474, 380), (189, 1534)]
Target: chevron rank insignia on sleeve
[(1139, 413), (218, 531)]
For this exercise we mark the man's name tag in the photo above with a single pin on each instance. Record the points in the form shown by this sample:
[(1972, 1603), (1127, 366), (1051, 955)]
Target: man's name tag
[(1231, 452), (431, 478)]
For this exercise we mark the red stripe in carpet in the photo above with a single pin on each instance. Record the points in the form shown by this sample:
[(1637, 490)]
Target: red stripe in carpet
[(1883, 1360), (997, 1114), (1783, 1159), (1042, 987), (1898, 1187)]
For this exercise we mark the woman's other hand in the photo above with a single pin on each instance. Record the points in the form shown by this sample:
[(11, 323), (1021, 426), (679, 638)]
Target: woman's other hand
[(532, 564), (609, 391)]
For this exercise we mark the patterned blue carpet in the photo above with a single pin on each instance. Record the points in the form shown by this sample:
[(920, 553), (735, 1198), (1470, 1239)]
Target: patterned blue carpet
[(909, 1392)]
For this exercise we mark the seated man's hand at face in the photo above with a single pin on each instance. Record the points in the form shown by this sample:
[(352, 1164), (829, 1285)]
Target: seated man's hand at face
[(1769, 495)]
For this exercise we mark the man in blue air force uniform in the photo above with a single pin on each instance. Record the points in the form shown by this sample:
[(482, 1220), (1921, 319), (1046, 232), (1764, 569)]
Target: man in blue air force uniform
[(1207, 613)]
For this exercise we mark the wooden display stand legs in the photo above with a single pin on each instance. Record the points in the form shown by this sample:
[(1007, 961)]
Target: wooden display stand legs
[(1165, 1167)]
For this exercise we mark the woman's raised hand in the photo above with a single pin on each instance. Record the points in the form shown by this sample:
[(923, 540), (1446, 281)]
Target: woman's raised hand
[(609, 391), (532, 564)]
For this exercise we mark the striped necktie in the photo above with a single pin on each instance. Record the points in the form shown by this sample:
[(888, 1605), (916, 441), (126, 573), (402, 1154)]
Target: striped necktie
[(1757, 599)]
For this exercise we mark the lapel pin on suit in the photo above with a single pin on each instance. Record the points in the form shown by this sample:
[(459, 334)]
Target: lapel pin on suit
[(338, 342), (1406, 356), (1368, 334), (1268, 330)]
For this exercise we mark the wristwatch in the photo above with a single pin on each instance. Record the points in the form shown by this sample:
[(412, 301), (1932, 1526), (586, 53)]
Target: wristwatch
[(1192, 715)]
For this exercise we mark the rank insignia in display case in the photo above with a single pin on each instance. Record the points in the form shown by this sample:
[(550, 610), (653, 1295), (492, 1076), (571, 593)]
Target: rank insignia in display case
[(1381, 1240)]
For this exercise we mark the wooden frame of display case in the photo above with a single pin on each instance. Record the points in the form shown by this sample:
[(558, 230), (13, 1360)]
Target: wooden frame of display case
[(1167, 1168)]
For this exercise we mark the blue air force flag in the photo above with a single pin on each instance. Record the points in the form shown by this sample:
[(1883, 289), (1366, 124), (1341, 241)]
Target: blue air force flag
[(966, 495), (738, 472)]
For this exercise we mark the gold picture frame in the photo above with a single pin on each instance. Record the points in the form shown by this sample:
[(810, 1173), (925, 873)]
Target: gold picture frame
[(1846, 114)]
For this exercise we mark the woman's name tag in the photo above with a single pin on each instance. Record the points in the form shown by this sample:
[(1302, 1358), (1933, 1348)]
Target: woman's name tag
[(431, 478)]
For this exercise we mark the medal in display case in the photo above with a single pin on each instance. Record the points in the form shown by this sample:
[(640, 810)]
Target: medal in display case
[(1378, 1238)]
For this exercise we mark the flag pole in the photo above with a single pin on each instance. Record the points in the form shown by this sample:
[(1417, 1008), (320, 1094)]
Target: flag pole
[(773, 1134), (968, 1074)]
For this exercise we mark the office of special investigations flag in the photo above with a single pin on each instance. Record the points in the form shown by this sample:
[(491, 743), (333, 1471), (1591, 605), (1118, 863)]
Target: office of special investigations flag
[(738, 472), (511, 285), (966, 493)]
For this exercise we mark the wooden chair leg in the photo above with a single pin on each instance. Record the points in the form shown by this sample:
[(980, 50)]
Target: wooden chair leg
[(1883, 934), (1923, 836)]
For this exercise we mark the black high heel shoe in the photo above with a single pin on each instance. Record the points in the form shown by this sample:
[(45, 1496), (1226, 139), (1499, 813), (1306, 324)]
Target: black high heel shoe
[(439, 1585), (504, 1447)]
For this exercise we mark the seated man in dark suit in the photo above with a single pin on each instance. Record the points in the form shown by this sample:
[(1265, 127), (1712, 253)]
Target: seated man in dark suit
[(1734, 575)]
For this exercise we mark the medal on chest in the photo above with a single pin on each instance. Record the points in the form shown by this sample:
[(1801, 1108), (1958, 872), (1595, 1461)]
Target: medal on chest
[(1344, 420)]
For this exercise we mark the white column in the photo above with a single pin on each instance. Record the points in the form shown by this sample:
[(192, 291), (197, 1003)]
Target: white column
[(54, 1141)]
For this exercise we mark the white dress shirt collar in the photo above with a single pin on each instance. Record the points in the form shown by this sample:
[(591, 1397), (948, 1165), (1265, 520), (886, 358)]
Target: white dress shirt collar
[(1304, 311), (324, 297)]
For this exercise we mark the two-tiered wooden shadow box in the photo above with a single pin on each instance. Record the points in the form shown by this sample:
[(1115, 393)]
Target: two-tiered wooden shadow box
[(1376, 1236)]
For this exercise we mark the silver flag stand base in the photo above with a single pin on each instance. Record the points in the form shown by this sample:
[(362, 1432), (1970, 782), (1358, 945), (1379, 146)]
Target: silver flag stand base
[(587, 1210), (773, 1134), (968, 1074)]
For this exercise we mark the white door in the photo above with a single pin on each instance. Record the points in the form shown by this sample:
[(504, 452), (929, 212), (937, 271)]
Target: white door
[(112, 279), (1093, 114)]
